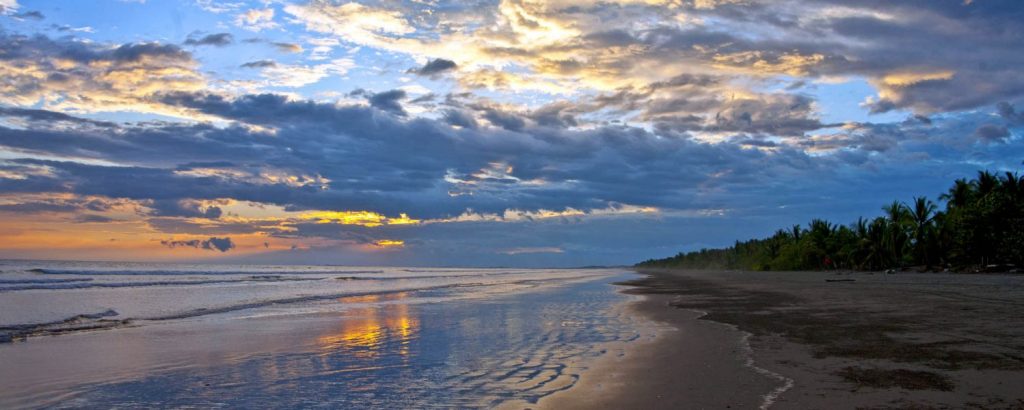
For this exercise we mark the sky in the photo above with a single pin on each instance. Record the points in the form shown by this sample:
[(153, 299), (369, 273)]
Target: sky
[(485, 133)]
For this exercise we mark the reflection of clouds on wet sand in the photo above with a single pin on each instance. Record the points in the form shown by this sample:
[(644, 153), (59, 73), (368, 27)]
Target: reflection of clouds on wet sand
[(544, 347), (383, 323), (454, 346)]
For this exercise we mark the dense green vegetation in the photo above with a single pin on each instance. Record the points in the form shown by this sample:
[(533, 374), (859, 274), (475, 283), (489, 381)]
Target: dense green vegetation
[(982, 225)]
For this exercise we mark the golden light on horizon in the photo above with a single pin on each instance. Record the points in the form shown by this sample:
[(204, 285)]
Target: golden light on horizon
[(361, 218), (390, 243), (368, 330), (403, 219)]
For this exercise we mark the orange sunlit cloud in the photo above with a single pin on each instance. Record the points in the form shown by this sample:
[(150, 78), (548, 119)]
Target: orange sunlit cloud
[(361, 218), (390, 243)]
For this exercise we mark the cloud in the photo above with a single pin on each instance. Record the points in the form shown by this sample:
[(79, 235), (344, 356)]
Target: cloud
[(216, 6), (71, 75), (287, 47), (390, 164), (389, 101), (1009, 113), (577, 45), (218, 39), (563, 121), (435, 67), (8, 6), (322, 158), (281, 46), (184, 208), (521, 251), (213, 244), (293, 76), (66, 28), (351, 21), (460, 118), (29, 15), (259, 64), (256, 19), (36, 115), (389, 243), (59, 203), (990, 133), (92, 218)]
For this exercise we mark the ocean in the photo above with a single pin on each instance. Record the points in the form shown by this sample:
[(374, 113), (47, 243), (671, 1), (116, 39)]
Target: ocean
[(93, 334)]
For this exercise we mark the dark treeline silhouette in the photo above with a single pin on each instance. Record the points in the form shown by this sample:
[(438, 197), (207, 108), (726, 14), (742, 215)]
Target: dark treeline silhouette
[(981, 228)]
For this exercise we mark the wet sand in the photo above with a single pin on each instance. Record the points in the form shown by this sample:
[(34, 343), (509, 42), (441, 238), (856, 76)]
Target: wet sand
[(816, 340), (684, 365), (480, 340)]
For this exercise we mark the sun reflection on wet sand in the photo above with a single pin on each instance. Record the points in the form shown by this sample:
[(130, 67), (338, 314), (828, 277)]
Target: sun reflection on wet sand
[(379, 322), (390, 350)]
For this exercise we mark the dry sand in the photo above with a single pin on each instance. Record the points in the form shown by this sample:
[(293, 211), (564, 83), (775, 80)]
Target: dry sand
[(805, 340)]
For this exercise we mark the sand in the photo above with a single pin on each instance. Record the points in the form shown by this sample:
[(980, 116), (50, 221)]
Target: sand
[(816, 340)]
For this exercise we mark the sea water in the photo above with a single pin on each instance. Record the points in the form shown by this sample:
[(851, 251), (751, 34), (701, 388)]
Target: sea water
[(78, 334)]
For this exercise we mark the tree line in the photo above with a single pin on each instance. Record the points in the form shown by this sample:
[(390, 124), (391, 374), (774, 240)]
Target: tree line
[(981, 228)]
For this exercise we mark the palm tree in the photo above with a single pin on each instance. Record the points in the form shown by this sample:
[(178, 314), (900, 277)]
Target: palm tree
[(921, 215), (959, 195), (873, 244), (896, 216), (986, 183), (1012, 184), (819, 233)]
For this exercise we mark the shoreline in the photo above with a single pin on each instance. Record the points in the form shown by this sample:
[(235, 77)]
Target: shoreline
[(464, 346), (867, 341), (685, 363)]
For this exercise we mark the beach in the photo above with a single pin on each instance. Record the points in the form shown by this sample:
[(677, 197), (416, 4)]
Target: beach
[(153, 335), (819, 340), (83, 334)]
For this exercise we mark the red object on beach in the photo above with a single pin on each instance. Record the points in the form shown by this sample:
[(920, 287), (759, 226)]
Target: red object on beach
[(828, 261)]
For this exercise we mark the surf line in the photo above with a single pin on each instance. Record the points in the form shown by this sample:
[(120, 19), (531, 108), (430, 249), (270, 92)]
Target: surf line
[(768, 399)]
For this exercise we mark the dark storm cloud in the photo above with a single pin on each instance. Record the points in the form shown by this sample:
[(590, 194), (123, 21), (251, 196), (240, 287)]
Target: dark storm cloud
[(783, 114), (506, 120), (184, 208), (77, 208), (218, 39), (135, 52), (435, 67), (1009, 113), (460, 118), (214, 244), (992, 133), (611, 38), (387, 163), (558, 114), (15, 46), (39, 206), (389, 101), (92, 218)]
